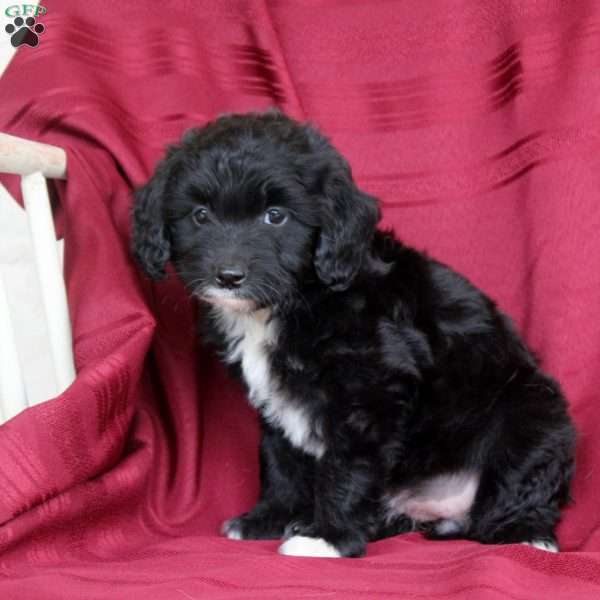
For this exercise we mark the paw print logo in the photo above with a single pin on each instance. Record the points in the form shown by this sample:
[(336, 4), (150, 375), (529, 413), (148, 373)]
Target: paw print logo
[(24, 32)]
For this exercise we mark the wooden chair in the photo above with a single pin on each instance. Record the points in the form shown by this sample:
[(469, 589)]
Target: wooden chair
[(34, 162)]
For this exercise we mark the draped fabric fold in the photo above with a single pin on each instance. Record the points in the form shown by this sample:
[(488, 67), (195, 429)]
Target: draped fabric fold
[(478, 126)]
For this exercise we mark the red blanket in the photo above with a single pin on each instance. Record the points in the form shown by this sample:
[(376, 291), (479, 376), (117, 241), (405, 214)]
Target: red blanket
[(476, 123)]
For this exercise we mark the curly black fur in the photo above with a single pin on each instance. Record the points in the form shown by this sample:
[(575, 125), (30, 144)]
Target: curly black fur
[(385, 372)]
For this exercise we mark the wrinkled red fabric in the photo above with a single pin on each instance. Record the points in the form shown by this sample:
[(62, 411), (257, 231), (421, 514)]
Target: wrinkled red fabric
[(476, 123)]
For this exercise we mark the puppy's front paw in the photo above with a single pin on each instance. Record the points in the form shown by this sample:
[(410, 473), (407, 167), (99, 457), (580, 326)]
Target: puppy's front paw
[(300, 545), (232, 529), (300, 528), (254, 526)]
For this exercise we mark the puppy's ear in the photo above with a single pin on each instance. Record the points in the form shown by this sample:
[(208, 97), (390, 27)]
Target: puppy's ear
[(150, 239), (348, 219)]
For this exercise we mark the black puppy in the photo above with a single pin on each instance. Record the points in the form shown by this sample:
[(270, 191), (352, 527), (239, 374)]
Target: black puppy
[(393, 394)]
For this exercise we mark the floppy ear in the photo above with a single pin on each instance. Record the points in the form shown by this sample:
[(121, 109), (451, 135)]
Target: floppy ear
[(348, 219), (150, 240)]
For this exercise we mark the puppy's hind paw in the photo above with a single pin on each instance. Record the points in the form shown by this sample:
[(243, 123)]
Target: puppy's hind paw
[(546, 545)]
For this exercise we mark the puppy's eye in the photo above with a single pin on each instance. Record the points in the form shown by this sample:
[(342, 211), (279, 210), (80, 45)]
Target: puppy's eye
[(275, 216), (200, 215)]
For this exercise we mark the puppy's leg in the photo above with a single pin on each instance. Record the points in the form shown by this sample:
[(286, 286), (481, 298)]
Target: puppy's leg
[(527, 476), (287, 476), (519, 514), (347, 491), (521, 508)]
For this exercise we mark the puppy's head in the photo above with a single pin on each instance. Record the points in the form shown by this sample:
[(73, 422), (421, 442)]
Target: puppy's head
[(250, 206)]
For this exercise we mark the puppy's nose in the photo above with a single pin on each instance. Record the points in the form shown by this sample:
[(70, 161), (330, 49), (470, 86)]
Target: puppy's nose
[(230, 277)]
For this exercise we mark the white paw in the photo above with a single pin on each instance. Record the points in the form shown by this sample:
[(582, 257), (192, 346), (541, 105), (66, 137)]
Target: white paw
[(448, 527), (542, 545), (300, 545), (231, 531)]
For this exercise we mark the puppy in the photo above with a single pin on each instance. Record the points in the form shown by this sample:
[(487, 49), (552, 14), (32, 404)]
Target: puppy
[(393, 395)]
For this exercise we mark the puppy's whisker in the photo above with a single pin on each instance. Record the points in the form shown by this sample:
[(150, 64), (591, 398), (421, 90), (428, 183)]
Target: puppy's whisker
[(303, 299), (277, 293), (194, 282)]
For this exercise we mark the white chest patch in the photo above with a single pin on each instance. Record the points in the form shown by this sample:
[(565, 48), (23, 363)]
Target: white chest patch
[(250, 337)]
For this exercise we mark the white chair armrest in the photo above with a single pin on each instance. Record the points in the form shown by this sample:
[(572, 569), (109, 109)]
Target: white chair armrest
[(23, 157)]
